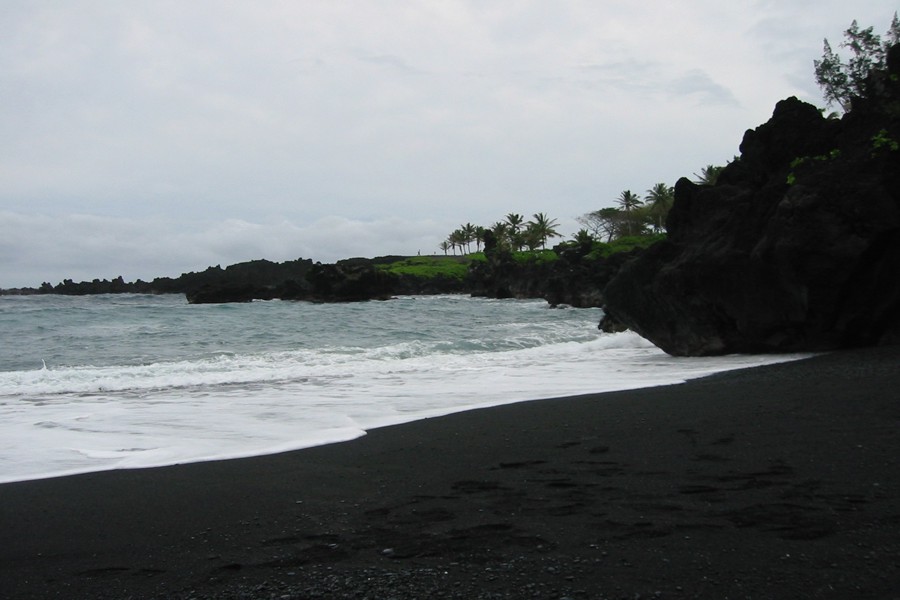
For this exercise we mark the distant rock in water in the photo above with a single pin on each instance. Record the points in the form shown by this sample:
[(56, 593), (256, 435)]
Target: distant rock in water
[(346, 281), (796, 247), (351, 280), (224, 292)]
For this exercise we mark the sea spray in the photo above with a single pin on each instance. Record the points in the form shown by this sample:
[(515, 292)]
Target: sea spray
[(106, 382)]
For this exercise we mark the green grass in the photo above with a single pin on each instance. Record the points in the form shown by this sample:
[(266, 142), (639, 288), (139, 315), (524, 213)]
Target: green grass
[(520, 256), (624, 244), (427, 267), (456, 267), (535, 256)]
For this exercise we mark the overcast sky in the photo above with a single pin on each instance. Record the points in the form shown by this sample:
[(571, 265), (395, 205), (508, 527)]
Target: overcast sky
[(149, 138)]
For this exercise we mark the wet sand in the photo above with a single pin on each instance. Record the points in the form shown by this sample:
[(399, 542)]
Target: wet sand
[(774, 482)]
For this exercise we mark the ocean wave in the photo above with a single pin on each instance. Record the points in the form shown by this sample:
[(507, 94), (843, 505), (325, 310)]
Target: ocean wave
[(154, 381), (315, 366)]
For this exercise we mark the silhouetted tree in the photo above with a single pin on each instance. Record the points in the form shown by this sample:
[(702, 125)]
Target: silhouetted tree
[(708, 175), (842, 82)]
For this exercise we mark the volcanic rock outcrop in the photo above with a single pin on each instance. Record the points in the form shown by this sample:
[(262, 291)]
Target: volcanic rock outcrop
[(795, 248)]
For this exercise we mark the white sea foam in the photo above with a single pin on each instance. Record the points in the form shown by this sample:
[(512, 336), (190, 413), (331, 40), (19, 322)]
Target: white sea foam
[(370, 367)]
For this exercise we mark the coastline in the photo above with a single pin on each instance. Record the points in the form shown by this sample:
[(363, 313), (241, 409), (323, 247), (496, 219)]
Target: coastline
[(775, 481)]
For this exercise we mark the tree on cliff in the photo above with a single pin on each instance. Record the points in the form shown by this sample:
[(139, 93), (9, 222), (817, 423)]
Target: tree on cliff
[(457, 239), (514, 233), (708, 175), (629, 202), (463, 237), (500, 232), (479, 237), (842, 82), (514, 220), (469, 235), (541, 228), (659, 199), (603, 223), (583, 238)]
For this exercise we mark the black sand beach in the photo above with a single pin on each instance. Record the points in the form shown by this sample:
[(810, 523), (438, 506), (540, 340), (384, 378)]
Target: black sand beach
[(774, 482)]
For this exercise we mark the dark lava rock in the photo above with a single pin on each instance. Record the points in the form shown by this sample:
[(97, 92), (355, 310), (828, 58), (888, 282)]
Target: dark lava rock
[(796, 247), (221, 293), (576, 279), (352, 280)]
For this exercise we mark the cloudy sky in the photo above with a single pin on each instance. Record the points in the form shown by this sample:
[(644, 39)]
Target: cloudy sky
[(152, 137)]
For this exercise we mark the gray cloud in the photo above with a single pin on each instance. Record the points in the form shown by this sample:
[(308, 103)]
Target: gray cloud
[(391, 62), (35, 248), (700, 85), (654, 79), (192, 122)]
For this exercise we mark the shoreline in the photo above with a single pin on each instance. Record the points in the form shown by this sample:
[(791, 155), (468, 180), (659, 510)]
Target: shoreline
[(775, 481), (363, 429), (85, 430)]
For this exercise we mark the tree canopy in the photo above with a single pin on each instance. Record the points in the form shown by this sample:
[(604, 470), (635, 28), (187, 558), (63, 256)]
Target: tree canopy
[(841, 81)]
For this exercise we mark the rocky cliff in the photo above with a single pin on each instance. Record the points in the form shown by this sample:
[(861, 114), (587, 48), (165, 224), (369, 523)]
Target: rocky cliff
[(574, 278), (349, 280), (796, 247)]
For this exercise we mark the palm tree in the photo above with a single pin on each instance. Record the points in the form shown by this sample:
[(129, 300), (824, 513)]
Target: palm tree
[(469, 232), (457, 239), (629, 203), (479, 237), (501, 231), (445, 246), (531, 237), (543, 227), (583, 237), (583, 241), (708, 175), (514, 232), (659, 198), (514, 221), (500, 228)]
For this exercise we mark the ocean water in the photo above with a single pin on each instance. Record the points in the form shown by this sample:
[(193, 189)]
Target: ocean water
[(128, 381)]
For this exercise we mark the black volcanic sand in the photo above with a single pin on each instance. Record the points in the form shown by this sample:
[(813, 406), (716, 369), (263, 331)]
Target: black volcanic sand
[(773, 482)]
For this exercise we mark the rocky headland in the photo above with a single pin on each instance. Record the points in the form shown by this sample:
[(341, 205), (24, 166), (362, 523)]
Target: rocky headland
[(795, 248), (572, 277)]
